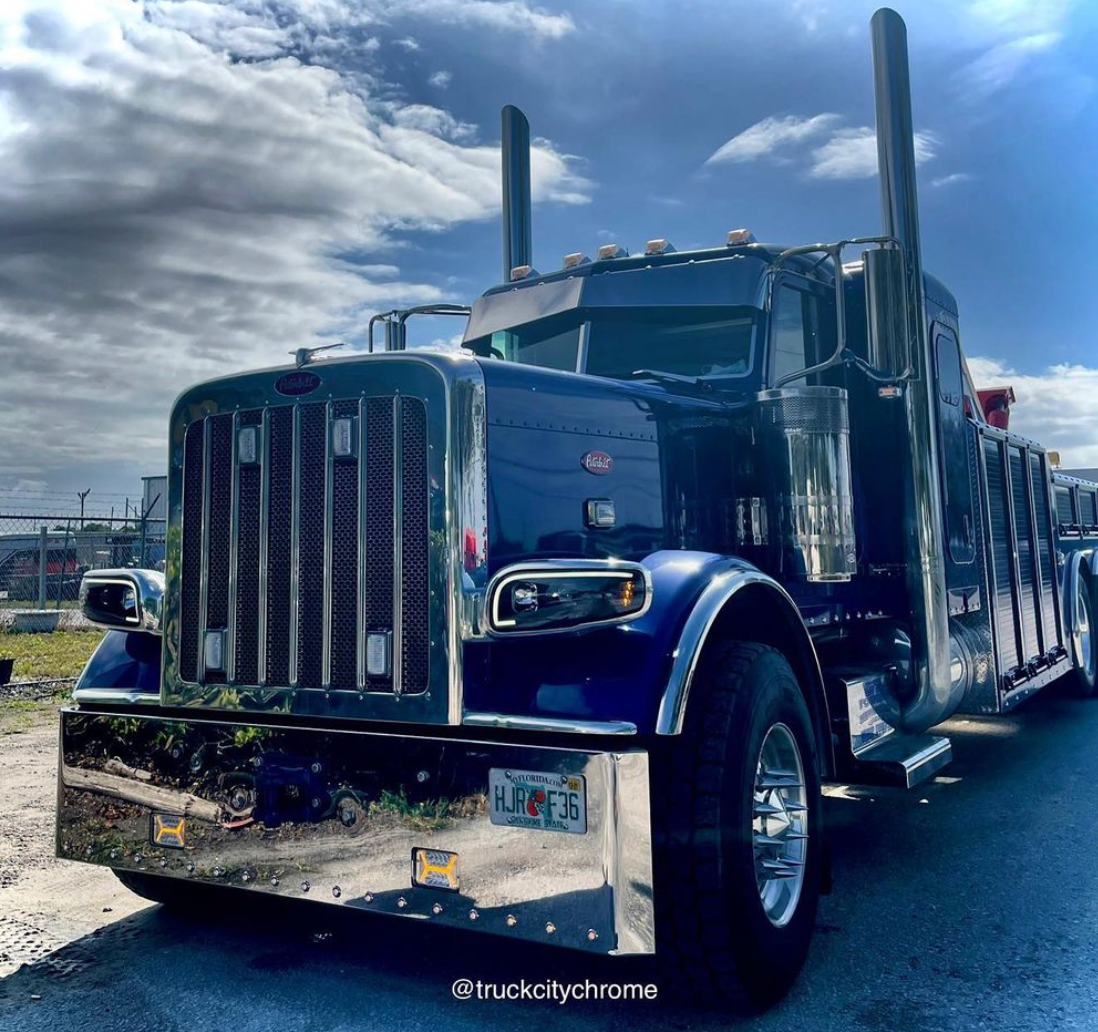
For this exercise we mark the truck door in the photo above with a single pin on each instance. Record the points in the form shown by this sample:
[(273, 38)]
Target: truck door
[(953, 439)]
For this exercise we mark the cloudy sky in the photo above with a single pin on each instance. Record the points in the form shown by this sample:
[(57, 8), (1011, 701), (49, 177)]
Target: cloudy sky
[(191, 187)]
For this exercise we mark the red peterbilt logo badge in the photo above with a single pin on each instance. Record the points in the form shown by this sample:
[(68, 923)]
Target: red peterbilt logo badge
[(597, 462)]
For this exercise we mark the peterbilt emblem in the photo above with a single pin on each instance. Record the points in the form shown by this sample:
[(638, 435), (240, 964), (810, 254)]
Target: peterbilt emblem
[(597, 462), (293, 385)]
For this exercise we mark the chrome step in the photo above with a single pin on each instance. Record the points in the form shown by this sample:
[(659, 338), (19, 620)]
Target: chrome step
[(902, 759)]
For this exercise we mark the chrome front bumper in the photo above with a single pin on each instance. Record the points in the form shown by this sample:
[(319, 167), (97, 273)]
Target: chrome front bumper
[(334, 816)]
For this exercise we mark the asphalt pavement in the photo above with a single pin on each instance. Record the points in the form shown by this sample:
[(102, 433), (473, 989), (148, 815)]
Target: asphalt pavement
[(967, 903)]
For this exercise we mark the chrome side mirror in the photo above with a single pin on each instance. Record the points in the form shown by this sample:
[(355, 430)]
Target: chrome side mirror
[(128, 600)]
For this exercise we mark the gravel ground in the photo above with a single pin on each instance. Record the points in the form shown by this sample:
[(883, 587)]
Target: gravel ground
[(968, 903)]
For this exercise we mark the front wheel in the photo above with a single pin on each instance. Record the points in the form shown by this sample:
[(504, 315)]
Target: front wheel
[(739, 850)]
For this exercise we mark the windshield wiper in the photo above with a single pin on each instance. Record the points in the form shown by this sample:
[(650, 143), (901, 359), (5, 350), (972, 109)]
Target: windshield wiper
[(696, 383)]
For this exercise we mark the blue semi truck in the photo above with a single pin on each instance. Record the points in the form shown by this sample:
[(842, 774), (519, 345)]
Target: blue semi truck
[(557, 636)]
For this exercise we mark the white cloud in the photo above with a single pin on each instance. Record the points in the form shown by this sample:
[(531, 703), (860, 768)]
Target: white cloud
[(1015, 33), (510, 15), (770, 135), (951, 179), (1000, 65), (182, 213), (1055, 407), (441, 80), (852, 154), (407, 43), (847, 153)]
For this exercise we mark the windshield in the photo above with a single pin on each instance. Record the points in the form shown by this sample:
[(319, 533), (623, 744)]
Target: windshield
[(715, 340)]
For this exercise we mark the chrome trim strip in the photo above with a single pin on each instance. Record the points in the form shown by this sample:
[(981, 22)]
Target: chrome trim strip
[(204, 572), (466, 468), (396, 663), (360, 602), (560, 725), (234, 553), (94, 696), (583, 345), (264, 531), (692, 639), (326, 614), (295, 542)]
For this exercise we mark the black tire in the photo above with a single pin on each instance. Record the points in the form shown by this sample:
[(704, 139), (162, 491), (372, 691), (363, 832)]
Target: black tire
[(173, 893), (1086, 676), (715, 941)]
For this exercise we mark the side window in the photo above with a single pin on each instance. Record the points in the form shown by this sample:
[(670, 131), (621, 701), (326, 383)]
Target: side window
[(795, 334), (953, 435)]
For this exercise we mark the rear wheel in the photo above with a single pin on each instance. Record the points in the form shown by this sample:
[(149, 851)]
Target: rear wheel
[(1085, 643), (739, 848)]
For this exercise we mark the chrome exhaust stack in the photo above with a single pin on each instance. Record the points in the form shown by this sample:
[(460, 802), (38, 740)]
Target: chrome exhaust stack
[(935, 693), (517, 250)]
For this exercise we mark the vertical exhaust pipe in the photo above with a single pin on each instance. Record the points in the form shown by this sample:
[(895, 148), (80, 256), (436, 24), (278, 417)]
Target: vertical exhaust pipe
[(517, 248), (935, 694)]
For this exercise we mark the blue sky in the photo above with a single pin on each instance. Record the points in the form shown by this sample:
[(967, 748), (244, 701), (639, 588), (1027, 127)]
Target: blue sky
[(190, 187)]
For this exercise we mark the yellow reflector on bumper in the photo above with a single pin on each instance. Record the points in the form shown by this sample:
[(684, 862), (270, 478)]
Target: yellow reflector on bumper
[(169, 830), (435, 869)]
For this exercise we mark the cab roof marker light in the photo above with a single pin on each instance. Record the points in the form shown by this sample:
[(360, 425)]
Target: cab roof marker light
[(576, 258), (738, 237), (659, 246), (608, 251), (521, 272)]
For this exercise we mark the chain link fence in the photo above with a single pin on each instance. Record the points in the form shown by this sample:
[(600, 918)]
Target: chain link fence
[(44, 639)]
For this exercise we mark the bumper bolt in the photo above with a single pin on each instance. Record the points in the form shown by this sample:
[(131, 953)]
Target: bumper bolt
[(305, 886), (369, 897), (274, 883), (336, 892), (473, 915), (190, 868), (422, 776), (218, 872), (511, 920), (592, 935), (550, 928), (436, 909), (402, 902)]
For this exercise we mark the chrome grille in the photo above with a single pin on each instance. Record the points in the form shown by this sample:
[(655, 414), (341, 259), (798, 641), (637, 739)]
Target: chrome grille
[(296, 558)]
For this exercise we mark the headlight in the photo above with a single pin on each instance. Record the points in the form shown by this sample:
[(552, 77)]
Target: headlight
[(534, 597), (130, 600)]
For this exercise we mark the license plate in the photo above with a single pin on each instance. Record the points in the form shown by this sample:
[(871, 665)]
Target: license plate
[(538, 800)]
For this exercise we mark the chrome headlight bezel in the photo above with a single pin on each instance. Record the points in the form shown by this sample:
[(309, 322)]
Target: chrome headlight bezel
[(139, 608), (608, 570)]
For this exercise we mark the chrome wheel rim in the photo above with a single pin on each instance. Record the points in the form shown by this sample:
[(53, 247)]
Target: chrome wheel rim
[(779, 825), (1084, 633)]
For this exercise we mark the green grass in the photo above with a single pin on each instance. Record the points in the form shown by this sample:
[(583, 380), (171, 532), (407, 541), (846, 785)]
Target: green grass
[(41, 657), (19, 715)]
